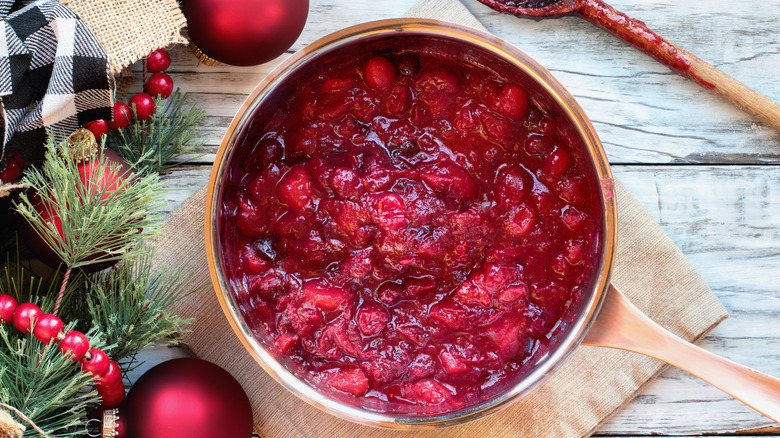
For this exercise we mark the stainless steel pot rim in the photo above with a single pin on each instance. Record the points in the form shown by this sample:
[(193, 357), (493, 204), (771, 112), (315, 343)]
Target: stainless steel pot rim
[(388, 29)]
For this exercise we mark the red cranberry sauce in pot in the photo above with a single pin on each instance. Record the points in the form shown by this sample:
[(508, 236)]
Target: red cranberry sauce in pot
[(409, 230)]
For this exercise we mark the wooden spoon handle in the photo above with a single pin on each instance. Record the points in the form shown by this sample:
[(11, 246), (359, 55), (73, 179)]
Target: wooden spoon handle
[(621, 325), (640, 36)]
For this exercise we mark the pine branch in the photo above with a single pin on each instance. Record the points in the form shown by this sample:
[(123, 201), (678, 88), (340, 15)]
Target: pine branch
[(82, 222), (48, 388), (154, 144), (132, 306)]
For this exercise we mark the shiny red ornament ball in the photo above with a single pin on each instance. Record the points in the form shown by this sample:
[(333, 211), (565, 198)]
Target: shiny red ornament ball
[(122, 116), (244, 32), (160, 84), (8, 305), (74, 345), (107, 183), (98, 128), (143, 105), (25, 316), (47, 328), (158, 61), (185, 398)]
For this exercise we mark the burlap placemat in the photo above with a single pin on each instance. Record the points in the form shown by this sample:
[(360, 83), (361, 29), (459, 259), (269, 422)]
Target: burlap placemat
[(131, 29), (587, 389)]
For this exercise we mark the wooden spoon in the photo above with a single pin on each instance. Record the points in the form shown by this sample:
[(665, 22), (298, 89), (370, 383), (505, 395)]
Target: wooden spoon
[(638, 35)]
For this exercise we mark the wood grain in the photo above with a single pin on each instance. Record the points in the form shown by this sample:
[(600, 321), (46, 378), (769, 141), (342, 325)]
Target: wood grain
[(706, 171)]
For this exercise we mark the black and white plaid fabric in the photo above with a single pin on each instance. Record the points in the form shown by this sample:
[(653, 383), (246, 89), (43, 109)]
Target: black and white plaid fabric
[(53, 75)]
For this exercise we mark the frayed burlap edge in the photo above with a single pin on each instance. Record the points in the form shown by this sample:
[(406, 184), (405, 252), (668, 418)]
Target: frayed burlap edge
[(131, 29)]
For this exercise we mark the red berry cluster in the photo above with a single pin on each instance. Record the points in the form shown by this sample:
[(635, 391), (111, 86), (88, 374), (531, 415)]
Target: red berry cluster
[(159, 84), (46, 327)]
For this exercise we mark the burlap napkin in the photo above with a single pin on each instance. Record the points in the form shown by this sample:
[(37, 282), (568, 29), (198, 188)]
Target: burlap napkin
[(588, 388), (131, 29)]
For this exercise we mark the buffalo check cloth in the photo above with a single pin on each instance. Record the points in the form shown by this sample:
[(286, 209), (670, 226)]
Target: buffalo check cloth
[(54, 76)]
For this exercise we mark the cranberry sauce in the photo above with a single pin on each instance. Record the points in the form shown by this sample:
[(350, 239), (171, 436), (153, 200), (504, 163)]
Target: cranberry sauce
[(409, 230)]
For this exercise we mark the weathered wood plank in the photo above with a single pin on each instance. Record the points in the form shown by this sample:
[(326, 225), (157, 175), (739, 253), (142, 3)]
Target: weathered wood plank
[(642, 111)]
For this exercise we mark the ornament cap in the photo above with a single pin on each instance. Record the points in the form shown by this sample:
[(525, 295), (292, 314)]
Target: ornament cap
[(110, 428), (82, 145), (202, 57)]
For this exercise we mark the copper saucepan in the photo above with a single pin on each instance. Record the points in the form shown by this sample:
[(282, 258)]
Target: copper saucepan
[(605, 317)]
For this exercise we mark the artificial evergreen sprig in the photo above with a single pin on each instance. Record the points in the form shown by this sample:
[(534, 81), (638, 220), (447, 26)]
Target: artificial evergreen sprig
[(159, 142), (47, 387), (98, 222), (132, 306), (88, 219)]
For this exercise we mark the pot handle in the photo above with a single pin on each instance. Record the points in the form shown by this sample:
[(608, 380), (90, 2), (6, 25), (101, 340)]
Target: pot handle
[(621, 325)]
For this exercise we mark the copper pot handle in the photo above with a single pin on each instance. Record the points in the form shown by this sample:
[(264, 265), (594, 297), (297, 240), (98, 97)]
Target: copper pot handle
[(621, 325)]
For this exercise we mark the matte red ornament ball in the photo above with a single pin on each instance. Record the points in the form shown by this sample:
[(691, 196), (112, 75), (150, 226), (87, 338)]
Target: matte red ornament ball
[(160, 84), (108, 184), (244, 32), (185, 398)]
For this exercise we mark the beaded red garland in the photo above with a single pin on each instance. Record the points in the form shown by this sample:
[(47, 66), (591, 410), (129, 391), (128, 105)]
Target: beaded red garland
[(159, 84), (46, 327)]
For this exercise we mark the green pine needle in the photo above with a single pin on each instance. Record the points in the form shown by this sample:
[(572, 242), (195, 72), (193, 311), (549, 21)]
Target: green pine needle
[(159, 142), (132, 306), (102, 224), (50, 389)]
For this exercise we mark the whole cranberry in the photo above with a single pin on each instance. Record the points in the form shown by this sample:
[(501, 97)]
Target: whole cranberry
[(98, 128), (160, 84), (158, 61), (122, 116), (144, 106)]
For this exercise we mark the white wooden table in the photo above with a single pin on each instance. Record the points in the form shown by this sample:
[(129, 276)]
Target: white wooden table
[(707, 172)]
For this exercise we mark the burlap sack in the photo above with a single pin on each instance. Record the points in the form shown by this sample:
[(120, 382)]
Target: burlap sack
[(131, 29)]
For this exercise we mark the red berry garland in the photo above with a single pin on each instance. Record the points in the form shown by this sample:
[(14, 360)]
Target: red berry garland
[(159, 84), (46, 327)]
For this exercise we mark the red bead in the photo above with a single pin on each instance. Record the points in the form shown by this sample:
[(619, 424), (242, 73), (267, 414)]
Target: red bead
[(112, 376), (47, 328), (74, 345), (99, 128), (12, 170), (25, 316), (160, 84), (112, 397), (122, 116), (8, 305), (158, 61), (97, 363), (143, 104)]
